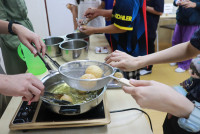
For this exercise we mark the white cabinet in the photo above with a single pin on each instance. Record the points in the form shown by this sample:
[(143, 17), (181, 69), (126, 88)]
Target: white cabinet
[(37, 15), (60, 18)]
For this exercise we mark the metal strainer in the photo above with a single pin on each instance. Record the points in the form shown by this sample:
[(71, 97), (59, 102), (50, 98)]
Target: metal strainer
[(72, 71)]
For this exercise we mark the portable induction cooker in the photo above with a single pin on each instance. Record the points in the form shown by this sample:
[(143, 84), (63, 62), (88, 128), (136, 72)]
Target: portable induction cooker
[(37, 116)]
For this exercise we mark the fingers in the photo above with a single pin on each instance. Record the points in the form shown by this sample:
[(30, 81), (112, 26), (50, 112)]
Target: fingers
[(83, 28), (88, 12), (36, 88), (36, 82), (115, 56), (28, 95), (43, 47), (139, 83), (35, 93), (130, 90), (30, 47), (119, 65)]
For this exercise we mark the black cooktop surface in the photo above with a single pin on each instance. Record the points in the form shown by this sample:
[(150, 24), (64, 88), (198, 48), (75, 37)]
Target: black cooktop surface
[(46, 115), (26, 113)]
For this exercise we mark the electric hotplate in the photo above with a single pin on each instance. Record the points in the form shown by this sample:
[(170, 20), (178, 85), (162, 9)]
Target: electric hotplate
[(37, 116)]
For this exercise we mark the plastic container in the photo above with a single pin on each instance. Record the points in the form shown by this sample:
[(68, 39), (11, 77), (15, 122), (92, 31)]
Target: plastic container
[(34, 64)]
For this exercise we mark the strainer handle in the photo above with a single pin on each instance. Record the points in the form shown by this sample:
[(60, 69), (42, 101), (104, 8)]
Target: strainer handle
[(125, 82)]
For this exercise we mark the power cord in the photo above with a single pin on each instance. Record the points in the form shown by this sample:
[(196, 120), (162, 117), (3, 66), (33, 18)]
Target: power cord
[(137, 110)]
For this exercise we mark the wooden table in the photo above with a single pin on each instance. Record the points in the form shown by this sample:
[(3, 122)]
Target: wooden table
[(125, 122)]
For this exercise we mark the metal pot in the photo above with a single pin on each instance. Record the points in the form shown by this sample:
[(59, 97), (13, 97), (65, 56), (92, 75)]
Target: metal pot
[(74, 50), (52, 46), (73, 36), (56, 78)]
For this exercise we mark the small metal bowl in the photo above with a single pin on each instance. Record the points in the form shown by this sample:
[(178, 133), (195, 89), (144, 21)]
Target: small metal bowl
[(52, 46), (82, 36), (74, 50)]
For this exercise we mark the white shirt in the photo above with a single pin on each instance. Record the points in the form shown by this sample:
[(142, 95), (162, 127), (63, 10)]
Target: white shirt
[(83, 6)]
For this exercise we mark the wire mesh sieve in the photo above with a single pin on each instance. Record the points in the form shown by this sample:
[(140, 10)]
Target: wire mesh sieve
[(72, 71)]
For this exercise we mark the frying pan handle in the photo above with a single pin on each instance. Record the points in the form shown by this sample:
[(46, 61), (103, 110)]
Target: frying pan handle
[(69, 110)]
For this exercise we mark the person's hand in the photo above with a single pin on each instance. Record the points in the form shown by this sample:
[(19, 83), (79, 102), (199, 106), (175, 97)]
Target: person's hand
[(188, 4), (91, 13), (25, 85), (108, 18), (87, 30), (27, 37), (83, 21), (158, 96), (178, 2), (123, 61)]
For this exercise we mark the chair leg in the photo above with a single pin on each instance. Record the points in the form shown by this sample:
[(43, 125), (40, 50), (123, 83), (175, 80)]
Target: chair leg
[(157, 39)]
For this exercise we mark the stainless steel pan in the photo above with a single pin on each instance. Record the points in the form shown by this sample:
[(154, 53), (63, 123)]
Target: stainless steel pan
[(55, 78)]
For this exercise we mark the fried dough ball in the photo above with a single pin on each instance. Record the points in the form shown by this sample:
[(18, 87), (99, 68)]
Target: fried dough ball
[(95, 70), (66, 98), (118, 75), (88, 84)]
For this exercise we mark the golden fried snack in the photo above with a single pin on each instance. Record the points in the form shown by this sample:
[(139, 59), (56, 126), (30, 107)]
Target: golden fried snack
[(118, 75), (66, 98), (95, 70), (88, 84)]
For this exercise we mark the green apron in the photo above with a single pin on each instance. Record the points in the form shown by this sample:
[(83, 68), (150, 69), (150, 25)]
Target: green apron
[(12, 10)]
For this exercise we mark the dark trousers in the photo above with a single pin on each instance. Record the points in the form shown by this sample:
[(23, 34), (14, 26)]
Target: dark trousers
[(171, 126)]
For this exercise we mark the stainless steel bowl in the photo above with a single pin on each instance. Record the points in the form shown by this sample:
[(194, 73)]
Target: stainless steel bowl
[(74, 50), (52, 46), (55, 78), (82, 36)]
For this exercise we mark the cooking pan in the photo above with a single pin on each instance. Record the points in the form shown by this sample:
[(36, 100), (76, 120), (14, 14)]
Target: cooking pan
[(55, 78)]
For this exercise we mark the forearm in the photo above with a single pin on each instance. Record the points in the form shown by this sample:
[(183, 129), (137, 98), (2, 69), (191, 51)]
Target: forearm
[(179, 52), (153, 11), (3, 82), (111, 29), (75, 16), (102, 6), (181, 106), (3, 27)]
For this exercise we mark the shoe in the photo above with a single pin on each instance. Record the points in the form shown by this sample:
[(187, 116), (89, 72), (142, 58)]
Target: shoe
[(179, 70), (144, 72), (172, 64)]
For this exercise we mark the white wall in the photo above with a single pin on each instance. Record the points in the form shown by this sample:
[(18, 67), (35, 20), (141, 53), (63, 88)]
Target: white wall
[(60, 18), (37, 15)]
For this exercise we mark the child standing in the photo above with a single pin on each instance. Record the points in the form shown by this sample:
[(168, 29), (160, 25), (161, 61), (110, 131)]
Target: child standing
[(154, 10), (188, 22), (78, 8)]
